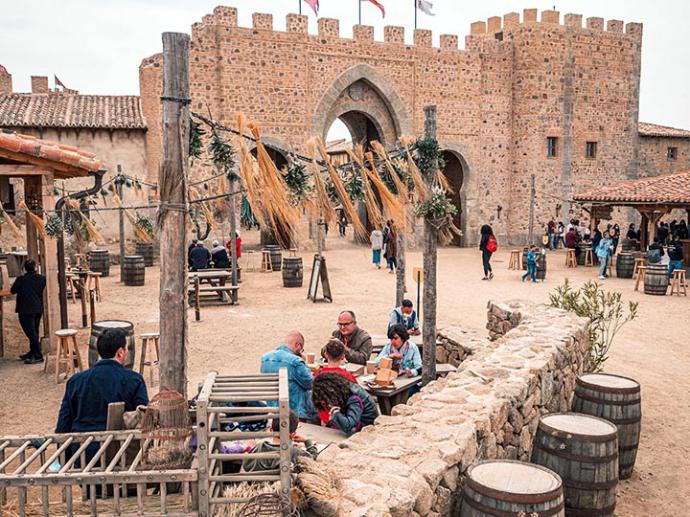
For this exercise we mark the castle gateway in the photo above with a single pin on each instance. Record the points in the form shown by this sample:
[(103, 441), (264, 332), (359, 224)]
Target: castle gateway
[(545, 96)]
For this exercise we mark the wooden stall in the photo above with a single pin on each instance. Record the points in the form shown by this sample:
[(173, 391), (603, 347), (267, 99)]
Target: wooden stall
[(39, 163)]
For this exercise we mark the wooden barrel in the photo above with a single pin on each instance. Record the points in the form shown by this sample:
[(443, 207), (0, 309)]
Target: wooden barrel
[(616, 399), (101, 326), (584, 246), (133, 270), (99, 262), (625, 265), (583, 450), (630, 245), (276, 256), (541, 267), (293, 272), (506, 487), (656, 280), (146, 251)]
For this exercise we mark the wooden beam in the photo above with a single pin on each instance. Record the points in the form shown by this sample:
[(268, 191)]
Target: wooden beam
[(7, 169), (62, 170)]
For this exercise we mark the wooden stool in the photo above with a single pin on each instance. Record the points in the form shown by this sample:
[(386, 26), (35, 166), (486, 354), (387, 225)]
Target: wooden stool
[(678, 283), (293, 252), (515, 259), (570, 258), (250, 261), (95, 279), (589, 257), (69, 279), (266, 261), (638, 262), (67, 353), (639, 275), (79, 260), (154, 339)]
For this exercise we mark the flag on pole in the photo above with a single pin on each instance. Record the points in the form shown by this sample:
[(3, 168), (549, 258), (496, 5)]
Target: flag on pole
[(425, 6), (314, 4), (58, 82), (377, 4)]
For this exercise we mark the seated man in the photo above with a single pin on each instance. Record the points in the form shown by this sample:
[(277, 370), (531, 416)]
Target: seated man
[(88, 393), (572, 241), (273, 445), (405, 315), (220, 256), (290, 355), (199, 256), (334, 352), (345, 405), (356, 340)]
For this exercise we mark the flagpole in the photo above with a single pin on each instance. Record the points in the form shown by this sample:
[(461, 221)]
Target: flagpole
[(300, 6), (360, 11), (415, 14)]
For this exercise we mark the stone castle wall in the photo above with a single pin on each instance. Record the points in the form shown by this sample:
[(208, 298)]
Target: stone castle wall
[(412, 463), (654, 159)]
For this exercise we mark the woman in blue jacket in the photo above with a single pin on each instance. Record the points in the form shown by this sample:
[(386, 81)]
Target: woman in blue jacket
[(406, 357)]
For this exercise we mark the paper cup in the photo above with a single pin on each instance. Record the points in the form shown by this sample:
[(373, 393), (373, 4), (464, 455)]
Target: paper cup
[(371, 366), (311, 357)]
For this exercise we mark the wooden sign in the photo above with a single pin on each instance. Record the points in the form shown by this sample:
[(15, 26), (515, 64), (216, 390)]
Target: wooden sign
[(602, 212), (319, 272), (418, 274)]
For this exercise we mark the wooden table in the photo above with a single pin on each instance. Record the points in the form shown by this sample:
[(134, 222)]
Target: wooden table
[(215, 279), (323, 436), (390, 397)]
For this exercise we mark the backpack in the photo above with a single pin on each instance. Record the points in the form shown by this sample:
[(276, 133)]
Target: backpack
[(491, 244), (654, 256)]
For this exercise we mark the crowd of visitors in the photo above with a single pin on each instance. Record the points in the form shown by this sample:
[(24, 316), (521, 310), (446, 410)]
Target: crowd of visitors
[(200, 257)]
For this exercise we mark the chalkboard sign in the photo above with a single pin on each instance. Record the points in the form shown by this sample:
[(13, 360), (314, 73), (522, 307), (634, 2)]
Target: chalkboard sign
[(319, 272)]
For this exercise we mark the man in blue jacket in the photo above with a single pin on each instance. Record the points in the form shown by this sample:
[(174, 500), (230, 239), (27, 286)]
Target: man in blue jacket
[(88, 393), (290, 355)]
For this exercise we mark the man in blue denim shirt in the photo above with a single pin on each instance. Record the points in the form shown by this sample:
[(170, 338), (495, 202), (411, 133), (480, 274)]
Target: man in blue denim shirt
[(289, 355)]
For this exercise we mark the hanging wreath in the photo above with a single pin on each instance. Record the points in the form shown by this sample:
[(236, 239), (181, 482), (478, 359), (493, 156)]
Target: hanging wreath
[(53, 225)]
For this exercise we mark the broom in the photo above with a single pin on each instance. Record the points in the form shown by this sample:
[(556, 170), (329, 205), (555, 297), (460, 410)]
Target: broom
[(373, 209), (10, 222), (420, 186), (36, 220), (141, 234)]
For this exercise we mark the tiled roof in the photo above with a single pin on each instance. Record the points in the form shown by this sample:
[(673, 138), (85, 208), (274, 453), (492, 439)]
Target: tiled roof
[(69, 161), (647, 129), (338, 146), (666, 188), (71, 111)]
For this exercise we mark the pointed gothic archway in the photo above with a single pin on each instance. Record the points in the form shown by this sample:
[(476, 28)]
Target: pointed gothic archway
[(457, 170)]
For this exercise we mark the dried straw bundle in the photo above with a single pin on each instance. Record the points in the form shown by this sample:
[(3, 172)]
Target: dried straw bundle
[(141, 234), (249, 171), (420, 185), (393, 206), (320, 205), (91, 229), (36, 220), (243, 490), (275, 197), (10, 222), (194, 193), (342, 193), (373, 209), (400, 185), (321, 486)]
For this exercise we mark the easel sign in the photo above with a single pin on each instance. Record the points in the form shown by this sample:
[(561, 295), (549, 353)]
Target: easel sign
[(319, 272)]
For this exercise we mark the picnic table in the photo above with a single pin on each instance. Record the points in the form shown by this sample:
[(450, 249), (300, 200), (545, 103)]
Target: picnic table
[(390, 397), (215, 285)]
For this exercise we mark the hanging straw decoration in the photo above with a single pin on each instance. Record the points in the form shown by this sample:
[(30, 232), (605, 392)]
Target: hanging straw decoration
[(249, 172), (141, 234), (393, 206), (36, 220), (284, 217), (10, 222), (373, 208), (194, 193), (420, 185), (323, 208), (91, 229), (400, 185), (342, 193)]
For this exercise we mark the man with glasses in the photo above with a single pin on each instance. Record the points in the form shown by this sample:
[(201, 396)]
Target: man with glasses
[(289, 354), (356, 340)]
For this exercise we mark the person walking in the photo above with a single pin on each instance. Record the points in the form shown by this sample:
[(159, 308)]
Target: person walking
[(603, 251), (551, 227), (29, 290), (392, 248), (532, 255), (488, 246), (675, 254), (376, 239)]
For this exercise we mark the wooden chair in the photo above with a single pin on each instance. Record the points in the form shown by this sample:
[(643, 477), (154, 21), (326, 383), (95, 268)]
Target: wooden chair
[(678, 285), (266, 261), (69, 279), (589, 257), (146, 359), (67, 354), (638, 262), (570, 258), (639, 275), (94, 280), (515, 260)]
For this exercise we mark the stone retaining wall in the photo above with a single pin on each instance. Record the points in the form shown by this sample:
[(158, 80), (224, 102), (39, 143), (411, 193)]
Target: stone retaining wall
[(412, 463)]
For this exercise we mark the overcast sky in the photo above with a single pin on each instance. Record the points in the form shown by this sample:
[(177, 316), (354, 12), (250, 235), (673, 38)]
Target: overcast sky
[(95, 46)]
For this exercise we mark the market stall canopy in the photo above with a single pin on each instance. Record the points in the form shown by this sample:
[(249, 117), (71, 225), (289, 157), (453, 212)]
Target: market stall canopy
[(23, 155)]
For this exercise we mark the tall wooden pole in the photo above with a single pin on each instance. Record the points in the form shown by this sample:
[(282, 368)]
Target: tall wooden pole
[(430, 251), (122, 225), (233, 239), (172, 215), (400, 269), (532, 194)]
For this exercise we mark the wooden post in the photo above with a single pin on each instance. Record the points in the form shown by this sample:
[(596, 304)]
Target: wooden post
[(644, 232), (172, 215), (233, 240), (532, 194), (400, 270), (197, 301), (430, 251), (121, 212), (49, 266)]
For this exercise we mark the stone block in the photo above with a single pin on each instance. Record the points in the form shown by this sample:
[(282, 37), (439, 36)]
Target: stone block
[(478, 28), (394, 34), (551, 16), (262, 21), (614, 25), (595, 23), (422, 38), (493, 24), (529, 15), (226, 16), (449, 41), (363, 33), (573, 20), (511, 20), (297, 23), (329, 28)]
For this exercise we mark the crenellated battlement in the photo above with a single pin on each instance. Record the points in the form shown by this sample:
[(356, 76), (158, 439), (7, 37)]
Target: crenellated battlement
[(510, 21), (328, 30)]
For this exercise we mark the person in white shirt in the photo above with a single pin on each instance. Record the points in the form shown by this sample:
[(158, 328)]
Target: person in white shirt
[(376, 239)]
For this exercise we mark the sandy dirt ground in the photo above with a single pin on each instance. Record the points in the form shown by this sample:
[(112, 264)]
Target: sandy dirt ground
[(652, 349)]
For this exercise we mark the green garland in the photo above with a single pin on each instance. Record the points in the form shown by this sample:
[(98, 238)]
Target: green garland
[(53, 225), (222, 155), (145, 224), (436, 206), (428, 156), (297, 180), (195, 135)]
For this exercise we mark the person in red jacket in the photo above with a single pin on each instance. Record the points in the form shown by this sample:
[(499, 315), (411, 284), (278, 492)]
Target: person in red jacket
[(238, 246), (334, 352)]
